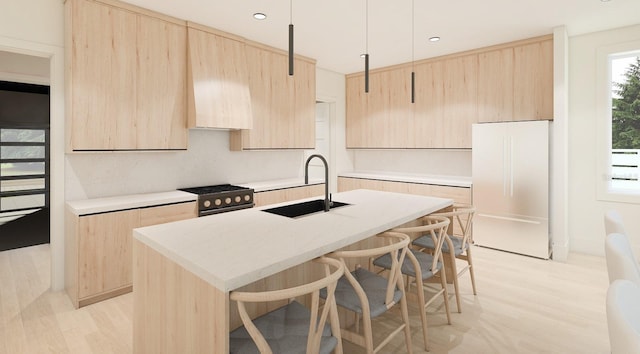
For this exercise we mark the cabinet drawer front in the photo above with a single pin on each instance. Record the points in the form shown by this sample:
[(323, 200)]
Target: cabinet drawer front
[(458, 194), (167, 213)]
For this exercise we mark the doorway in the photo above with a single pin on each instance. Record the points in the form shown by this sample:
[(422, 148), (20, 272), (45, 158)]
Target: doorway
[(24, 165), (323, 143)]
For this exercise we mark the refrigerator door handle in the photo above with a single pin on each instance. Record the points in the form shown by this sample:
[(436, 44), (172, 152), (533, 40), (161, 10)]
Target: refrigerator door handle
[(511, 165), (504, 166), (509, 219)]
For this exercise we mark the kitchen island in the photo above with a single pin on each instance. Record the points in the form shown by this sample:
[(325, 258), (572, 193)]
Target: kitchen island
[(184, 271)]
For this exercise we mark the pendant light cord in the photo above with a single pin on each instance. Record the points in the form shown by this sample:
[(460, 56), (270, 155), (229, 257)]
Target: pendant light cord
[(366, 28), (413, 33), (366, 47), (413, 56)]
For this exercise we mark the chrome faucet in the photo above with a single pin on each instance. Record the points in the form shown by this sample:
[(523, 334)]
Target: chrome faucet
[(327, 199)]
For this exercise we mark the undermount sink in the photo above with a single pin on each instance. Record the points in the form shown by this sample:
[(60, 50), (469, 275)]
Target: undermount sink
[(303, 208)]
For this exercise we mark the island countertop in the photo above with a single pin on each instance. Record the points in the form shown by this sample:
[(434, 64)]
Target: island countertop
[(230, 250)]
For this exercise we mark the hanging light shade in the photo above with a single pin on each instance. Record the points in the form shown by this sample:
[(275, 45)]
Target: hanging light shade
[(290, 37), (366, 53), (413, 72)]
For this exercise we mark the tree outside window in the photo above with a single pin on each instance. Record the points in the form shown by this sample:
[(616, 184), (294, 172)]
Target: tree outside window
[(625, 125)]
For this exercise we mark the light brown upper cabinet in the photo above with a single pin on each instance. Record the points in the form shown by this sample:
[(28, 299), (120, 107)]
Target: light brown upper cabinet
[(125, 78), (218, 89), (283, 106), (512, 81), (441, 117), (446, 102), (382, 117), (516, 82)]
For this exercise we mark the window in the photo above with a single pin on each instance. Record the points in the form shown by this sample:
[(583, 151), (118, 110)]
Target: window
[(23, 165), (619, 123), (24, 148)]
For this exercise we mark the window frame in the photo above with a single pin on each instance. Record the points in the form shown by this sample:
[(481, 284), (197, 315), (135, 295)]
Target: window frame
[(604, 126)]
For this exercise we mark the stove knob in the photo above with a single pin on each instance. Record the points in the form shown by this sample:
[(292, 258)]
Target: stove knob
[(207, 203), (247, 198), (227, 200), (237, 199), (217, 202)]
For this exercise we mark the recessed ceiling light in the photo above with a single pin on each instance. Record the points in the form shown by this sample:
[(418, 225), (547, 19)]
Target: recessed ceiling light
[(259, 16), (434, 39)]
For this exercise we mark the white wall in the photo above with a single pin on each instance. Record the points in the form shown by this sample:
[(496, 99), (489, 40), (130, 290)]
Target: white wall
[(586, 213), (418, 162), (208, 161)]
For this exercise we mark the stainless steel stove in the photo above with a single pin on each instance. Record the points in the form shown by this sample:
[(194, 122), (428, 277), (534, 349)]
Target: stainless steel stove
[(221, 198)]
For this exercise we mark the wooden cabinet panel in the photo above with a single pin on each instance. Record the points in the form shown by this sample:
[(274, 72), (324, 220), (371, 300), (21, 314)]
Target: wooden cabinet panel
[(356, 110), (516, 83), (104, 251), (495, 85), (429, 105), (533, 81), (167, 213), (101, 82), (303, 128), (98, 249), (287, 194), (383, 117), (509, 82), (283, 106), (460, 100), (218, 69), (125, 80), (161, 85)]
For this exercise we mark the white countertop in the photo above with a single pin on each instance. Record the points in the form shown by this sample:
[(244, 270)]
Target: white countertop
[(101, 205), (452, 181), (230, 250), (263, 186)]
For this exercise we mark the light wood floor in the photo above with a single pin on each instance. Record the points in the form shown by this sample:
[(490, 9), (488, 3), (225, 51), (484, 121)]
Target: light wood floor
[(524, 305)]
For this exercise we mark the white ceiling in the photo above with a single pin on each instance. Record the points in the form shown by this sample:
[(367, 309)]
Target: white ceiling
[(333, 31)]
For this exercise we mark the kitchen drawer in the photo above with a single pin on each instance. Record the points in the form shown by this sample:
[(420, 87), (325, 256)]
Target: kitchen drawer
[(167, 213)]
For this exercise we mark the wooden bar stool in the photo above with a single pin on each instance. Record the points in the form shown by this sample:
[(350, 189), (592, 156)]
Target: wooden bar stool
[(369, 295), (456, 245), (293, 328), (423, 266)]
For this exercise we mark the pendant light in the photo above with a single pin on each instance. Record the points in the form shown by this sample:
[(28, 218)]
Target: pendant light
[(290, 37), (413, 71), (366, 51)]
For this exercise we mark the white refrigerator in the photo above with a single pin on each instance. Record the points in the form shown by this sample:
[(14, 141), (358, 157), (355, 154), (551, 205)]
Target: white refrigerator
[(510, 175)]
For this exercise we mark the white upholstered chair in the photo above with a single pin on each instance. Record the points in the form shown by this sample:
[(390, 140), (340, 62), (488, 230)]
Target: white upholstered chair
[(621, 262), (623, 316), (613, 223)]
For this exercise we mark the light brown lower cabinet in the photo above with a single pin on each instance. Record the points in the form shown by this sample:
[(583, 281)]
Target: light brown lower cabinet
[(98, 249), (458, 194), (288, 194)]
